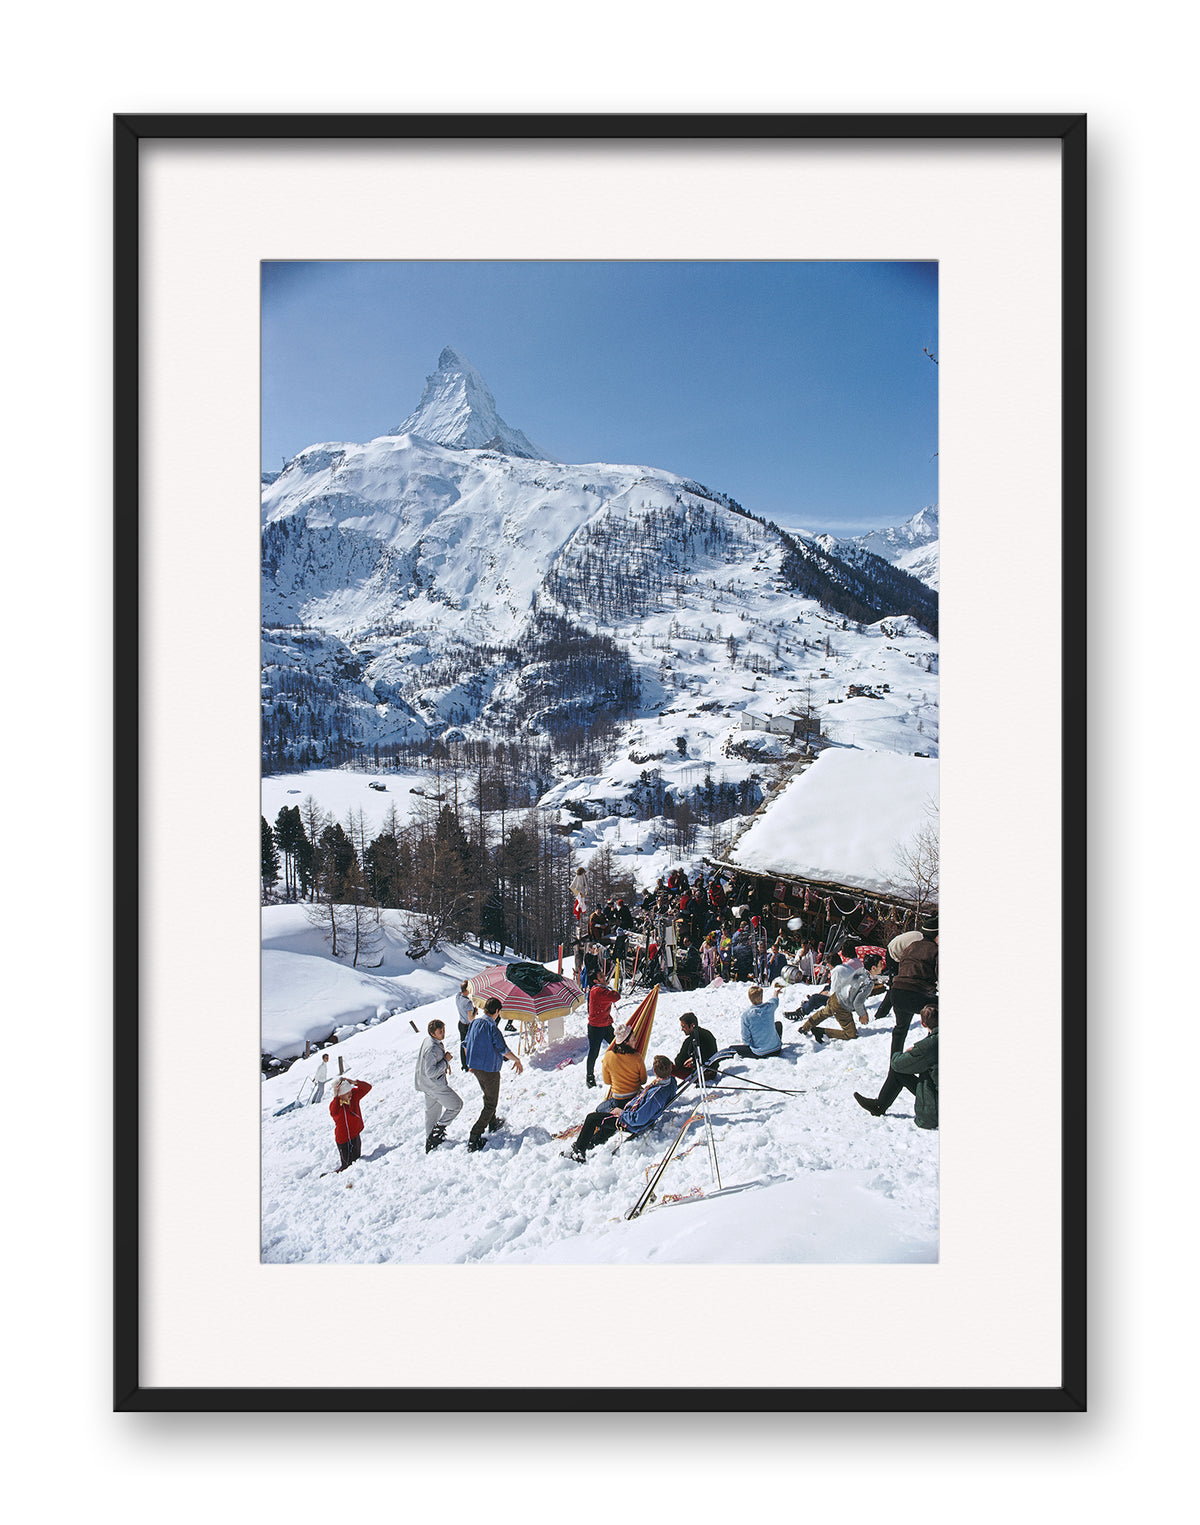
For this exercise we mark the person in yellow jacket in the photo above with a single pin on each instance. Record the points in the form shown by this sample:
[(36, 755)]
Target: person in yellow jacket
[(624, 1070)]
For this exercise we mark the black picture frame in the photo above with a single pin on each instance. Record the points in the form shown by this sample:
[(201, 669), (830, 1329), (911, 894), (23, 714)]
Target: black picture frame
[(130, 133)]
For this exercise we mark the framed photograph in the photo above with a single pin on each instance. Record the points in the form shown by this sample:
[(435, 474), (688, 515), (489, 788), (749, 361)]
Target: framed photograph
[(366, 590)]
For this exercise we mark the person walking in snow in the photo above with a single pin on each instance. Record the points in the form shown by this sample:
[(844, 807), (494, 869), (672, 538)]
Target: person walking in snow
[(466, 1011), (432, 1079), (321, 1074), (486, 1053), (916, 1071), (914, 985), (601, 1000), (347, 1117)]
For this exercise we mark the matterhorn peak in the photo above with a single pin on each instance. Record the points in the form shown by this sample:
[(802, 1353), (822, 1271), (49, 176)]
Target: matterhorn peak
[(458, 411)]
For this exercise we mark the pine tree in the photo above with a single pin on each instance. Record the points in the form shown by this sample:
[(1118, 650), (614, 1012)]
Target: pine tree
[(270, 859)]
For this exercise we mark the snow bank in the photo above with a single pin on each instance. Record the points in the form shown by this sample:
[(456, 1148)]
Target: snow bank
[(307, 994), (806, 1178)]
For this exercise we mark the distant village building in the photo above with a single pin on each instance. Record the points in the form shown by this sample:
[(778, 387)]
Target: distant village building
[(780, 725)]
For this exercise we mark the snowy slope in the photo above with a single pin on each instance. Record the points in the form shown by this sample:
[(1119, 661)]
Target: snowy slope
[(400, 534), (400, 574), (823, 1181)]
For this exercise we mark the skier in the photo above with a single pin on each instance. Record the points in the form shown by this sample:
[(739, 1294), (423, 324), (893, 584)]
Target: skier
[(348, 1119), (432, 1079)]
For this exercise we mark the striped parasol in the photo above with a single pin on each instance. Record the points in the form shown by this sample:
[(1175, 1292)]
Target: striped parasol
[(527, 992), (642, 1021)]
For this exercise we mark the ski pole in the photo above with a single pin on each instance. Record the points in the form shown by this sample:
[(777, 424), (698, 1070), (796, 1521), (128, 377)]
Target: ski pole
[(702, 1084), (743, 1082)]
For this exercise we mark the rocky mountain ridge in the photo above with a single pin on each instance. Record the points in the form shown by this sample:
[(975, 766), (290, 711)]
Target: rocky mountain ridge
[(416, 588)]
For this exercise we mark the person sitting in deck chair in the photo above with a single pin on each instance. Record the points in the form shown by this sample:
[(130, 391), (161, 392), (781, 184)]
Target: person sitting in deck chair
[(624, 1070), (641, 1113)]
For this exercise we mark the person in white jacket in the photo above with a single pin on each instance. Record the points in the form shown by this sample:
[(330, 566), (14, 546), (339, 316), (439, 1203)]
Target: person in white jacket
[(322, 1073), (442, 1104), (849, 986)]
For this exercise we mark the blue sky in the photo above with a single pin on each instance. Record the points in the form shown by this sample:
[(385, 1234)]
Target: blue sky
[(799, 388)]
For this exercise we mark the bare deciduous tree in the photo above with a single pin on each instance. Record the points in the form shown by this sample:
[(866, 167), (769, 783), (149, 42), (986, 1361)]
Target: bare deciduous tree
[(917, 862)]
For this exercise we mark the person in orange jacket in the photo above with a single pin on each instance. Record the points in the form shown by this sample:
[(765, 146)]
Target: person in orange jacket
[(348, 1119)]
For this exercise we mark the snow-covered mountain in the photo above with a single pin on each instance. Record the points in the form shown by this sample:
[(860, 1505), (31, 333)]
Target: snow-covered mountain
[(449, 577), (458, 410), (912, 546)]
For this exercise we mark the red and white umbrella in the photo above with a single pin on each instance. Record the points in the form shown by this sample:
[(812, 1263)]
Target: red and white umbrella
[(528, 992)]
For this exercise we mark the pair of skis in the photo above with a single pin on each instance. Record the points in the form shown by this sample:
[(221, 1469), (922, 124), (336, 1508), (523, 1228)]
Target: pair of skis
[(648, 1195)]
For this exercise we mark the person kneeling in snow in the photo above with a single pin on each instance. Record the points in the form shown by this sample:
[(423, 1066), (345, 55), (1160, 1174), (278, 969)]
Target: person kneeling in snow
[(849, 986), (645, 1109), (432, 1079), (348, 1119)]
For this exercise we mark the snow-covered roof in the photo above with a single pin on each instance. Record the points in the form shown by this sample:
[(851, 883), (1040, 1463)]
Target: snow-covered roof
[(845, 820)]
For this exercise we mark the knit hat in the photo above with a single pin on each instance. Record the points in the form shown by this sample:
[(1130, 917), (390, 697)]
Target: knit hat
[(623, 1033), (343, 1087)]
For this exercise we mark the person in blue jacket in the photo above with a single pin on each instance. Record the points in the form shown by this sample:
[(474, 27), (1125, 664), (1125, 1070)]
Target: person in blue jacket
[(762, 1036), (645, 1108), (486, 1052)]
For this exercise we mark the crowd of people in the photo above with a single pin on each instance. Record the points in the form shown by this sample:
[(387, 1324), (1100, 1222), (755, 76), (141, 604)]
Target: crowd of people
[(689, 932), (906, 971)]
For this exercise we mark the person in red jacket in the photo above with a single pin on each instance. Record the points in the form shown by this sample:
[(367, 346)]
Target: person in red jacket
[(347, 1119), (601, 1000)]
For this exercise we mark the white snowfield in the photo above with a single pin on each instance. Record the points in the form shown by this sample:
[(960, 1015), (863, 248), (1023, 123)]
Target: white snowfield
[(308, 995), (810, 1178), (343, 792), (848, 819)]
